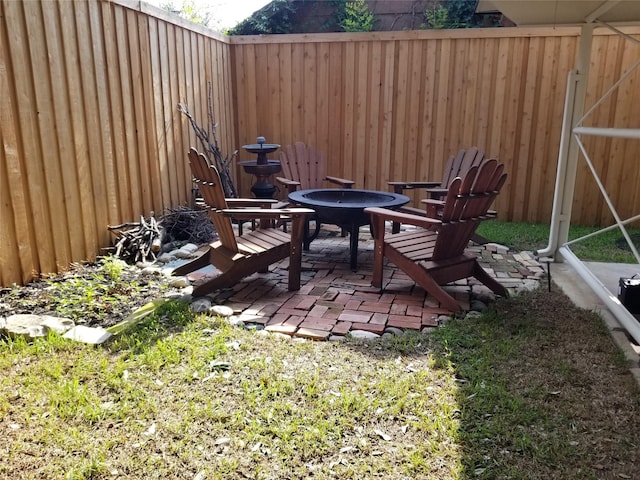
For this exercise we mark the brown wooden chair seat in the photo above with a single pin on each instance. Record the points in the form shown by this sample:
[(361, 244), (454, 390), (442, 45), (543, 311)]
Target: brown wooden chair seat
[(252, 252), (434, 254)]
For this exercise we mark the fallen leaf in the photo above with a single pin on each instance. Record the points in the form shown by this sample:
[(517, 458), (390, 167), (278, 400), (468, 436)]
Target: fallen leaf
[(383, 435), (151, 430)]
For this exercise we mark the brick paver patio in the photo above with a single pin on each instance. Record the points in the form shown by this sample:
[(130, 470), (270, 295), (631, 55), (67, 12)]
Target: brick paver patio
[(333, 300)]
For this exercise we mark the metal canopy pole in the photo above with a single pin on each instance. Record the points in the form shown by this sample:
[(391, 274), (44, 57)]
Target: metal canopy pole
[(568, 153)]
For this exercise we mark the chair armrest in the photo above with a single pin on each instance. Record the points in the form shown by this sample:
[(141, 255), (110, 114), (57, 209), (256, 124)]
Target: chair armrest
[(251, 202), (434, 207), (291, 185), (433, 201), (258, 213), (420, 212), (437, 193), (400, 217), (399, 187), (340, 181)]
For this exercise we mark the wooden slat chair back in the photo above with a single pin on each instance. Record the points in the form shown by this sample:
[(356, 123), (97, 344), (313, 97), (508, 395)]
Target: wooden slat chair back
[(240, 256), (304, 167), (304, 164), (434, 255), (456, 166), (207, 178), (459, 165)]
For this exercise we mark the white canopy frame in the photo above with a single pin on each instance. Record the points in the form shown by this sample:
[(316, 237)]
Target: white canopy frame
[(570, 146)]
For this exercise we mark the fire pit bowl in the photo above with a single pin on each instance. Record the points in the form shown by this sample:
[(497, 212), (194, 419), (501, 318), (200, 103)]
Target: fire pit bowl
[(345, 208)]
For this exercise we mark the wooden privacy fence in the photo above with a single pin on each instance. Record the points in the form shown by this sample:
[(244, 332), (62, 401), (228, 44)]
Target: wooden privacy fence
[(91, 134), (394, 106)]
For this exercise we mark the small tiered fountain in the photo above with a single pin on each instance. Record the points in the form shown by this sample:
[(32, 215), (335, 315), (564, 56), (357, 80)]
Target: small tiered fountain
[(262, 168)]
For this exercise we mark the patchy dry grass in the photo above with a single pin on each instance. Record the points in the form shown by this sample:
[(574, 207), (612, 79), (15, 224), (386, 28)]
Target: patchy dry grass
[(534, 389)]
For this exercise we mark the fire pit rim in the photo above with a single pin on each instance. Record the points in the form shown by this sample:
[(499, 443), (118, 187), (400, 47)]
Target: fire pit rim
[(388, 199)]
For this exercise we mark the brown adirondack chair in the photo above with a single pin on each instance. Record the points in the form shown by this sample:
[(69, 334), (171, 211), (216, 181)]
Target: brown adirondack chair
[(456, 166), (303, 167), (434, 255), (252, 252)]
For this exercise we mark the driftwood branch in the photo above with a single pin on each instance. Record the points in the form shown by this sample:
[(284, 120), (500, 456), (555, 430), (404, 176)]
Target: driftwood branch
[(209, 141)]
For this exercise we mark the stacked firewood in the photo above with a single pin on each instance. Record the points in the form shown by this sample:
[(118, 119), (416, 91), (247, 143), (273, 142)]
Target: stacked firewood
[(143, 241), (138, 241)]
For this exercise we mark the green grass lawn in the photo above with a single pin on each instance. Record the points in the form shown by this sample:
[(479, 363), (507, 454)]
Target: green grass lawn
[(533, 389), (605, 247)]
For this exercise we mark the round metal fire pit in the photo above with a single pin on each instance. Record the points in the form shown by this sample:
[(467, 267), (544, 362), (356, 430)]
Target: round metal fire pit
[(345, 207)]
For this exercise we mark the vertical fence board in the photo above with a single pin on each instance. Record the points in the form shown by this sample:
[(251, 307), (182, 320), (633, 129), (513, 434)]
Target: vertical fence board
[(37, 168), (373, 162), (17, 257)]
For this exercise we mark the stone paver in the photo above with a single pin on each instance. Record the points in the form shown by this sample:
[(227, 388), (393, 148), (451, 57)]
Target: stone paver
[(333, 300)]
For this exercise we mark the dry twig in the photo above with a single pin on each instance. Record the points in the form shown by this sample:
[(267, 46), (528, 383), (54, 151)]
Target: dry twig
[(209, 140)]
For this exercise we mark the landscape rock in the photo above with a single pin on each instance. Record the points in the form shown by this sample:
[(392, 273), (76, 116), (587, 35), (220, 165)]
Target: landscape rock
[(472, 315), (528, 285), (151, 270), (34, 325), (179, 282), (91, 335), (363, 334), (57, 324), (200, 305), (186, 251), (478, 306), (394, 331), (165, 258), (221, 310), (337, 338), (235, 321)]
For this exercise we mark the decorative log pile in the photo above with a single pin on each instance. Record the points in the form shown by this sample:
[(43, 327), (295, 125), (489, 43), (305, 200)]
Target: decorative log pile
[(143, 241), (137, 242)]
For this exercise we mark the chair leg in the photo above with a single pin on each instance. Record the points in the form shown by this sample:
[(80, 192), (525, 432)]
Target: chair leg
[(432, 287), (377, 230), (488, 280), (223, 280), (193, 265)]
